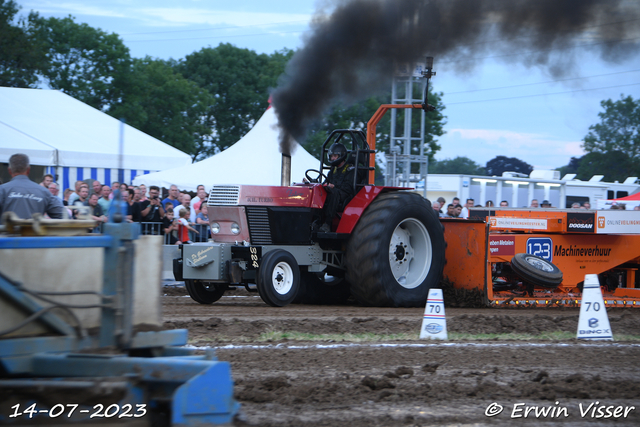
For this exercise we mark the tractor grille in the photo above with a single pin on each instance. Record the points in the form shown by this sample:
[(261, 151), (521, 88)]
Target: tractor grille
[(224, 195), (259, 229)]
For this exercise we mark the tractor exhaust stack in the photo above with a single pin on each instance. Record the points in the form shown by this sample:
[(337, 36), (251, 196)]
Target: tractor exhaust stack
[(286, 170)]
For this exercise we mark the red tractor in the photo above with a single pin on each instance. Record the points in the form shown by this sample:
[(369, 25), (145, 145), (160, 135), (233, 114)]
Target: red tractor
[(386, 248)]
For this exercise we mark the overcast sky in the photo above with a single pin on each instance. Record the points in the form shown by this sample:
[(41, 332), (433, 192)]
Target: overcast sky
[(498, 109)]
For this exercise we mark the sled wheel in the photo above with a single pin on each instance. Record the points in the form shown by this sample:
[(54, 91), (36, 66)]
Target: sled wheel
[(322, 288), (278, 278), (202, 292), (396, 252), (536, 270)]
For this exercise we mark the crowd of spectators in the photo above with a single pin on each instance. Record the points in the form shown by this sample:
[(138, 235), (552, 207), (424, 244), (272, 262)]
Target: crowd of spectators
[(456, 210), (179, 217)]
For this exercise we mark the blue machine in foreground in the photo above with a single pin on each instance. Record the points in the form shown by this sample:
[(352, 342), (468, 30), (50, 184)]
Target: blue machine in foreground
[(71, 376)]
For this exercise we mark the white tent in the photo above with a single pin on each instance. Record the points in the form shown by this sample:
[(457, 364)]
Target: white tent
[(75, 141), (254, 160)]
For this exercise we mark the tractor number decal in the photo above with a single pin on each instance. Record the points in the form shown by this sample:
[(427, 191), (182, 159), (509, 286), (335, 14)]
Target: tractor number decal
[(540, 246), (254, 261)]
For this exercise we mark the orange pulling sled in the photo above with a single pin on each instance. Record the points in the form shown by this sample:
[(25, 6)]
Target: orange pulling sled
[(489, 251)]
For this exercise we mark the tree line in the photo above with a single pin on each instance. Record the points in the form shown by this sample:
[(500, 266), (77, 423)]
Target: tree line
[(205, 102)]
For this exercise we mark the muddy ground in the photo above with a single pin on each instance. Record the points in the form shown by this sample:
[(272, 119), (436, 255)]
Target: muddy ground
[(404, 381)]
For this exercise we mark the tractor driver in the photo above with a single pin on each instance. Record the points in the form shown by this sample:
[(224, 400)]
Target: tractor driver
[(339, 184)]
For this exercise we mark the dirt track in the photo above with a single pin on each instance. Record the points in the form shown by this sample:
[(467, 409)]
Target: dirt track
[(409, 382)]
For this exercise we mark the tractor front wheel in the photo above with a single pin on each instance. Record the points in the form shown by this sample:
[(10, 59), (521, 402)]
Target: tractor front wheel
[(204, 293), (278, 278), (396, 252)]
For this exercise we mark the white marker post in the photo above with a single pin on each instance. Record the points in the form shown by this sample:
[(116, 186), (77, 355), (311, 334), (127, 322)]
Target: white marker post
[(593, 323), (434, 323)]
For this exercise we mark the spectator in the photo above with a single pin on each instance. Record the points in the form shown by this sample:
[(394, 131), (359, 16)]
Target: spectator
[(74, 196), (545, 204), (186, 200), (143, 193), (203, 217), (196, 202), (152, 212), (136, 194), (455, 201), (124, 187), (172, 198), (115, 185), (96, 188), (575, 205), (636, 208), (83, 195), (184, 227), (46, 180), (23, 196), (133, 208), (105, 200), (504, 204), (436, 207), (442, 202), (169, 225), (465, 211), (96, 210), (489, 204), (65, 199), (534, 203), (586, 205), (55, 190), (450, 212), (457, 210)]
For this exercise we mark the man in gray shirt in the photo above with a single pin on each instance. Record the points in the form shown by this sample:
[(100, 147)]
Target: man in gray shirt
[(23, 196)]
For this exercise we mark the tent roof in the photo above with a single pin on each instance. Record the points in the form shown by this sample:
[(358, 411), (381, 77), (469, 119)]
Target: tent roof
[(632, 197), (254, 160), (54, 129)]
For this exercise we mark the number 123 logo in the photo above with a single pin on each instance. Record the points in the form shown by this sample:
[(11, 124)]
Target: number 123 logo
[(540, 246)]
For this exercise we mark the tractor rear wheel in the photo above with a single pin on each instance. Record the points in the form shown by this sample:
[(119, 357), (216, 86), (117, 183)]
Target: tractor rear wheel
[(396, 251), (204, 293)]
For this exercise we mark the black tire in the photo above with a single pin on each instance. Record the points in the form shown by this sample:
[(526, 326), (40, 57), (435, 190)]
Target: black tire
[(204, 293), (536, 270), (321, 289), (396, 252), (278, 278)]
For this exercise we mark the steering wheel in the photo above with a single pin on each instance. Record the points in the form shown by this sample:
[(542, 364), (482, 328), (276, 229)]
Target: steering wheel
[(316, 179)]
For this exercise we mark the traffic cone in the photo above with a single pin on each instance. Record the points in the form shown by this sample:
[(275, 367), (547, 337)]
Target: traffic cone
[(593, 323), (434, 323)]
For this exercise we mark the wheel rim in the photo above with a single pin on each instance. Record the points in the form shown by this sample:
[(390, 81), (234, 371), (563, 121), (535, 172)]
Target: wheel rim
[(410, 253), (282, 278), (540, 264)]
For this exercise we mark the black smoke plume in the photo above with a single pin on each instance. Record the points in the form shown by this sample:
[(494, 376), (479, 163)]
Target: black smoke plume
[(348, 55)]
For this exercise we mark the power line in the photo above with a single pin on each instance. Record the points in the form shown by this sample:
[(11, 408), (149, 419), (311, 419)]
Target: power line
[(541, 83), (587, 27), (564, 48), (541, 94)]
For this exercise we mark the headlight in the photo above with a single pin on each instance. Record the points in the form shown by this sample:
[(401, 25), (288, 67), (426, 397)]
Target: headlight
[(235, 228), (215, 228)]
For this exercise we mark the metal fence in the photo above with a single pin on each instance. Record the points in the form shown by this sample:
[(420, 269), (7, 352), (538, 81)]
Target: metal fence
[(156, 229)]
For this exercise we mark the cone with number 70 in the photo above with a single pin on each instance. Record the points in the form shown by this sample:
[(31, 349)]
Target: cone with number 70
[(434, 323), (593, 323)]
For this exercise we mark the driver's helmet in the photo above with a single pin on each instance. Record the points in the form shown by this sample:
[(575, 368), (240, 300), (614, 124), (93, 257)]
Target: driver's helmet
[(340, 150)]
